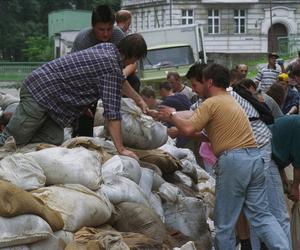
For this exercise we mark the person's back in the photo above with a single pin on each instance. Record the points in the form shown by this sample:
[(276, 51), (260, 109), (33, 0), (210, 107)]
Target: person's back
[(178, 101)]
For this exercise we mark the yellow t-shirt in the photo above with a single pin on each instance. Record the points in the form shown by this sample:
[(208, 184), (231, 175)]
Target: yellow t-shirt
[(226, 123)]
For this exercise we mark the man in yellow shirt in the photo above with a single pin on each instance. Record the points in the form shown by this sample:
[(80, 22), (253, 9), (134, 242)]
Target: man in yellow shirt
[(240, 182)]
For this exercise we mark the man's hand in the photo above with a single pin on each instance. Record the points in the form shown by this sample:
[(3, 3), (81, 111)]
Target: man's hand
[(165, 113), (129, 153), (143, 106), (294, 194), (173, 132), (153, 113)]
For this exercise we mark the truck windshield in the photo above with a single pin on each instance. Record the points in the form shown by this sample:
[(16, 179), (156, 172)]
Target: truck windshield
[(168, 57)]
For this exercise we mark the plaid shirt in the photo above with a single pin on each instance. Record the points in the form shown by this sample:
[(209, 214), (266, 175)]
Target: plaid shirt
[(68, 85)]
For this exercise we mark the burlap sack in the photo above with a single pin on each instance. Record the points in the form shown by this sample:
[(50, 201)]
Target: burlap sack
[(15, 201), (166, 163)]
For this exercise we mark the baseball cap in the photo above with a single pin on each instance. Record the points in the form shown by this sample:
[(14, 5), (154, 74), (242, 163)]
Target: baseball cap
[(273, 54)]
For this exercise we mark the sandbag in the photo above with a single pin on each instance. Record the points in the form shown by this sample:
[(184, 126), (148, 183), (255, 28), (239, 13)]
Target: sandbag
[(137, 218), (183, 178), (74, 166), (167, 163), (187, 215), (104, 148), (156, 205), (123, 166), (169, 192), (99, 119), (295, 225), (139, 130), (157, 182), (146, 181), (189, 168), (8, 148), (120, 189), (15, 201), (97, 239), (78, 205), (178, 153), (22, 230), (23, 171)]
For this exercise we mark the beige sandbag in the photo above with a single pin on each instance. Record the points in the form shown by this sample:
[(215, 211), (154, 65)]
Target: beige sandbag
[(137, 218), (22, 230), (105, 150), (97, 239), (295, 225), (15, 201), (78, 205), (167, 163), (23, 171), (69, 166)]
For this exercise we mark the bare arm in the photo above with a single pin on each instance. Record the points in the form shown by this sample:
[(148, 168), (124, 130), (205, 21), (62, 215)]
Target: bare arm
[(293, 110), (131, 93), (114, 127), (294, 195), (129, 69)]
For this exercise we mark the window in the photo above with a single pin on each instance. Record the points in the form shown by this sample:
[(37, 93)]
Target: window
[(187, 17), (239, 21), (142, 20), (162, 18), (213, 22), (148, 19)]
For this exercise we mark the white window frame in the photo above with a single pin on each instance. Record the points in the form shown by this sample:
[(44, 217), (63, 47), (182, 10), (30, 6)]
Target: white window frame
[(187, 16), (213, 19), (239, 19)]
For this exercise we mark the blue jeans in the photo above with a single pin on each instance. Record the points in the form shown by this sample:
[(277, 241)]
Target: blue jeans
[(240, 184), (275, 197)]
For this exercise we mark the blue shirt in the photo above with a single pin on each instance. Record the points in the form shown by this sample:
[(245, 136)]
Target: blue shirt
[(68, 85)]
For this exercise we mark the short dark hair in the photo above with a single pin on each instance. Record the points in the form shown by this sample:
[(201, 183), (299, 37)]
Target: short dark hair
[(219, 74), (277, 92), (295, 71), (247, 83), (174, 74), (165, 85), (133, 45), (103, 14), (196, 71), (148, 92), (235, 76)]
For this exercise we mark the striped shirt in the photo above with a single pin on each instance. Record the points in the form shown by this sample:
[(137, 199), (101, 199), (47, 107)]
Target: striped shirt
[(266, 77), (86, 38), (66, 86)]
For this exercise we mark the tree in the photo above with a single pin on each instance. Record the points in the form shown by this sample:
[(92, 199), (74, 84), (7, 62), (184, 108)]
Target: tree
[(39, 49)]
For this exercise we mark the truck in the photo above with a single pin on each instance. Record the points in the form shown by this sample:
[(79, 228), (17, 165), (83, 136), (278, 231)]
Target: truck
[(173, 48)]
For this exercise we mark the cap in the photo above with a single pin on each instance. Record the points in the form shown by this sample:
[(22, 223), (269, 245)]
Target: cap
[(283, 77), (273, 54)]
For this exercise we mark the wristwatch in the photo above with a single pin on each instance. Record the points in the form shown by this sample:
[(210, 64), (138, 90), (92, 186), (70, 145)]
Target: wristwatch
[(172, 113)]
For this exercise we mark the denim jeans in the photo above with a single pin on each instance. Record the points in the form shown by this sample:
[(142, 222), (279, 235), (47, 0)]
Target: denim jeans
[(240, 184), (275, 197)]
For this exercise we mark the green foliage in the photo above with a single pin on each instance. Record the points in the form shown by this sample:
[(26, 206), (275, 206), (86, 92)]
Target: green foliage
[(38, 49), (22, 19)]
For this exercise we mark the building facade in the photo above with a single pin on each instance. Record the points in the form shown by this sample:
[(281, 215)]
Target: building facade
[(232, 28)]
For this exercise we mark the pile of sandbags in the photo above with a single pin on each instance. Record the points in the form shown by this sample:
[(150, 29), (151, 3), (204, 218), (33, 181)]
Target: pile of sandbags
[(82, 187)]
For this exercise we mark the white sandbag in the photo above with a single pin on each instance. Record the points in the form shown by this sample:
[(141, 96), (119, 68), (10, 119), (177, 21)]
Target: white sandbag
[(99, 119), (75, 166), (189, 168), (202, 175), (139, 130), (146, 181), (23, 229), (123, 166), (23, 171), (157, 182), (120, 189), (156, 205), (207, 186), (65, 236), (183, 178), (189, 155), (169, 192), (187, 215), (99, 131), (178, 153), (187, 246), (78, 205)]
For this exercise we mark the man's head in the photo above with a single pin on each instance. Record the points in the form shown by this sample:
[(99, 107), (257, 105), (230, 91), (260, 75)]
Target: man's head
[(174, 79), (235, 76), (249, 85), (132, 48), (243, 69), (215, 77), (165, 89), (195, 75), (103, 19), (295, 74), (277, 92), (123, 19), (148, 94), (272, 57)]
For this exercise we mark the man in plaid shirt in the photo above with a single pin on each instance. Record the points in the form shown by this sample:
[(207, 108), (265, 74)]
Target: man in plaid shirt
[(58, 92)]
